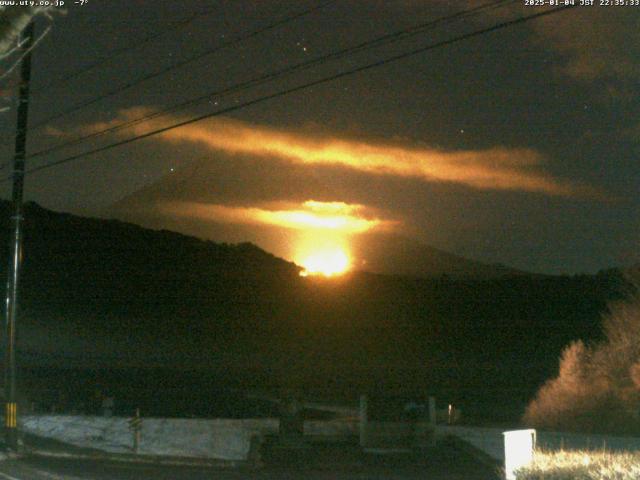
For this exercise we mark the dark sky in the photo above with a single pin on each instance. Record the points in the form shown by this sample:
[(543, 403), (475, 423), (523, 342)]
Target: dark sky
[(519, 146)]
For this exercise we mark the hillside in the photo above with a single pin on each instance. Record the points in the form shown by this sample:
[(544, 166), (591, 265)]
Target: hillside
[(106, 296)]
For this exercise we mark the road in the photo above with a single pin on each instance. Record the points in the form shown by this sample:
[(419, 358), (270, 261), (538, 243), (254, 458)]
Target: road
[(439, 464)]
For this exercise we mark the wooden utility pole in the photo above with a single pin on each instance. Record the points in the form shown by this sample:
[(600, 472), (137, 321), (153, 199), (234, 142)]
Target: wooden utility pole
[(11, 404)]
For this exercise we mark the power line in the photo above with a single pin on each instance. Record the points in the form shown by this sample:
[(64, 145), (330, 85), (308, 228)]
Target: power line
[(182, 63), (417, 29), (314, 83), (174, 25), (376, 42)]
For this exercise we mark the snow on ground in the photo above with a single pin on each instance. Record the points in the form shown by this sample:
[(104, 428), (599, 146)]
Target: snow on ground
[(211, 438), (222, 439)]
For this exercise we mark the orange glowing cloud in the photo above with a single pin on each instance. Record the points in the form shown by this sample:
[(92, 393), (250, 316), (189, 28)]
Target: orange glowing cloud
[(337, 217), (497, 168)]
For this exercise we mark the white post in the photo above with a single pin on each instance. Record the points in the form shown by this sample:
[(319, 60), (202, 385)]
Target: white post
[(519, 446)]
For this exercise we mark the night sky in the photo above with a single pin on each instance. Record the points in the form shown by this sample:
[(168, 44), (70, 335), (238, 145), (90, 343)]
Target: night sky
[(518, 146)]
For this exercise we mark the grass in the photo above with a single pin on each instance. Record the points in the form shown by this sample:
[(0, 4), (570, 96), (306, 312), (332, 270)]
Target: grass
[(582, 465)]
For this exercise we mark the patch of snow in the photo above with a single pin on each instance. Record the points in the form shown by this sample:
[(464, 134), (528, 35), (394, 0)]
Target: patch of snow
[(212, 438), (219, 439)]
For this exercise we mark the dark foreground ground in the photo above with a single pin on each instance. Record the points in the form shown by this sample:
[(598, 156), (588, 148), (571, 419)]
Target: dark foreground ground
[(335, 463)]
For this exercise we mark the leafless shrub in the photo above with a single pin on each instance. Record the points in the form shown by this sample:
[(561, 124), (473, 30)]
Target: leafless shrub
[(584, 465), (598, 386)]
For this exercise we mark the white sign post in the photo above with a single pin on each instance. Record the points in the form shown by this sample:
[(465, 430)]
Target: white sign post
[(519, 446)]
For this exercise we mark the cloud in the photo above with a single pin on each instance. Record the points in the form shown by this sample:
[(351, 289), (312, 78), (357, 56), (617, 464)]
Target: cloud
[(596, 42), (497, 168), (311, 215)]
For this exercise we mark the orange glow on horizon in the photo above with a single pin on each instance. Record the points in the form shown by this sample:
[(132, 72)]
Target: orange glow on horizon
[(320, 232), (328, 263)]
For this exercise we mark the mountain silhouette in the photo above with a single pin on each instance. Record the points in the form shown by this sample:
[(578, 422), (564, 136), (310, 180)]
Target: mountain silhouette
[(240, 181)]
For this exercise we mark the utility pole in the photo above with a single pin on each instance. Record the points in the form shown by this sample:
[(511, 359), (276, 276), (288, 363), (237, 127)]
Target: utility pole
[(11, 407)]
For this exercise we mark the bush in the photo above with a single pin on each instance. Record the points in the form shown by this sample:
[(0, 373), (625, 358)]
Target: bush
[(582, 465), (598, 387)]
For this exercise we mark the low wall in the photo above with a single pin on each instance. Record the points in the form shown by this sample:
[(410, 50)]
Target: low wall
[(488, 440), (223, 439)]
